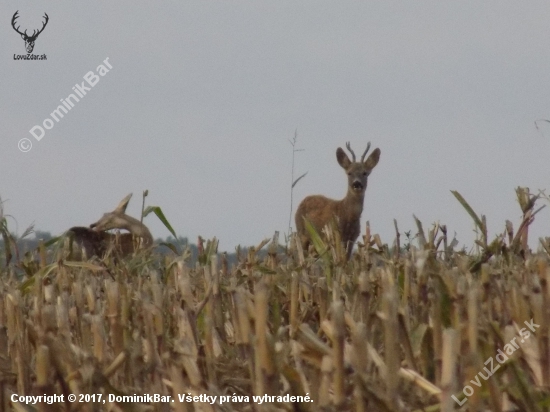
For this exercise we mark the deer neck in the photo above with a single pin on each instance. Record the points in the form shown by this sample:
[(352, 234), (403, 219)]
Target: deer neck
[(352, 205), (138, 229)]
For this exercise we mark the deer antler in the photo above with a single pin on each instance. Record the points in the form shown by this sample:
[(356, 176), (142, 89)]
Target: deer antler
[(43, 26), (351, 151), (15, 16), (366, 151), (34, 33)]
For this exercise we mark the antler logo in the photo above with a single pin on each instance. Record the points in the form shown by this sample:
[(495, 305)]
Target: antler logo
[(29, 40)]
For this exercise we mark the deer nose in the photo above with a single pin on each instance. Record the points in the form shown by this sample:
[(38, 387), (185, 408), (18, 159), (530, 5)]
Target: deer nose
[(357, 185)]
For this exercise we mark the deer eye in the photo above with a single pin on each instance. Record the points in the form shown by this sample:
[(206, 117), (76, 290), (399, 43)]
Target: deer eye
[(364, 173)]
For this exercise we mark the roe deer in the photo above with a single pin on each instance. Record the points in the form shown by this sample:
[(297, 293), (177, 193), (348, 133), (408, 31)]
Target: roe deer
[(319, 210), (95, 240)]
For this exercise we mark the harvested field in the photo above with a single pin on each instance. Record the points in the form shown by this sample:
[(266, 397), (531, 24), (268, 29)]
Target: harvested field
[(402, 328)]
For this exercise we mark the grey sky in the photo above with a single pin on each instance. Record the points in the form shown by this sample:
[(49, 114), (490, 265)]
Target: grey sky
[(203, 97)]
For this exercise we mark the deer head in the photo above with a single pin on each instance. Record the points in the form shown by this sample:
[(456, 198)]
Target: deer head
[(358, 172), (29, 40), (96, 240), (118, 219)]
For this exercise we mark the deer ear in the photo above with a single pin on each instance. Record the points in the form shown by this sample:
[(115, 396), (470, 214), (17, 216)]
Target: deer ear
[(342, 157), (23, 36), (373, 159)]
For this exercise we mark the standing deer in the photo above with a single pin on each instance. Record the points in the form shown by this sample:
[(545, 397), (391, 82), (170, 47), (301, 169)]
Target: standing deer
[(95, 240), (319, 210)]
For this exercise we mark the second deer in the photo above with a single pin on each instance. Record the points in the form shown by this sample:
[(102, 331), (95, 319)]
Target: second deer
[(95, 240), (320, 210)]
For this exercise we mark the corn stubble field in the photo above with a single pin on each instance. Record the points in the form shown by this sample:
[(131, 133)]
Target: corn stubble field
[(397, 328)]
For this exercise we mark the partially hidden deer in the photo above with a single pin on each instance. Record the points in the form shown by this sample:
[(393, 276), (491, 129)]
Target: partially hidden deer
[(320, 210), (95, 240)]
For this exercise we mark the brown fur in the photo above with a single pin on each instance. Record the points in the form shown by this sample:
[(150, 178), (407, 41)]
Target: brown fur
[(319, 210), (95, 240)]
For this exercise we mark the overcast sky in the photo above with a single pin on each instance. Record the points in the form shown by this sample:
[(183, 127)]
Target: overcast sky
[(203, 97)]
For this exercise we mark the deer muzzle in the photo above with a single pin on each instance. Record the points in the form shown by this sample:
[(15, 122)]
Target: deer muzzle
[(357, 185)]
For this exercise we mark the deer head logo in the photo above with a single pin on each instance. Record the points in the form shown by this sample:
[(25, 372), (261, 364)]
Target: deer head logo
[(29, 40)]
